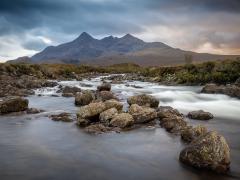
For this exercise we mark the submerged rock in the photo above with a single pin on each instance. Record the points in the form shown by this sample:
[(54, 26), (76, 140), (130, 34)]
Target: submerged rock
[(13, 104), (105, 86), (34, 111), (122, 120), (209, 151), (84, 98), (191, 133), (143, 100), (97, 129), (142, 114), (200, 115), (65, 117)]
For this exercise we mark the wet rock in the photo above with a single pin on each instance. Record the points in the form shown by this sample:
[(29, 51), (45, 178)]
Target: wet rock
[(134, 86), (97, 129), (65, 117), (106, 95), (105, 86), (200, 115), (49, 84), (13, 104), (83, 122), (122, 120), (84, 98), (73, 90), (85, 85), (68, 95), (167, 111), (112, 103), (91, 111), (191, 133), (173, 124), (107, 115), (237, 82), (143, 100), (142, 114), (209, 151), (230, 90), (34, 111)]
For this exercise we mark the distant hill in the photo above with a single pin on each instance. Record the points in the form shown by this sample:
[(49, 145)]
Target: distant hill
[(112, 50)]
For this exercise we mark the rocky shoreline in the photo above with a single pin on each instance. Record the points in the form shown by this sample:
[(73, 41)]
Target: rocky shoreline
[(100, 111)]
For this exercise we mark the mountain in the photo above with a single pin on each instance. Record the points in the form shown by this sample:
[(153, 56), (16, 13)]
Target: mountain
[(111, 50)]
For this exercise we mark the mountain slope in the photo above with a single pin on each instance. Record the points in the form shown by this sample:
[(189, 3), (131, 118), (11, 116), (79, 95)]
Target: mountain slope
[(111, 50)]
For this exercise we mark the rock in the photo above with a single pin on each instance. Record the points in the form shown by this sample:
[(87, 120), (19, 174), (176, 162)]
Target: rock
[(200, 115), (91, 111), (142, 114), (143, 100), (34, 111), (67, 94), (190, 133), (209, 151), (84, 98), (73, 90), (112, 103), (173, 124), (107, 115), (122, 120), (237, 82), (106, 95), (65, 117), (83, 122), (96, 129), (13, 104), (105, 86), (85, 85), (50, 84), (230, 90), (167, 111)]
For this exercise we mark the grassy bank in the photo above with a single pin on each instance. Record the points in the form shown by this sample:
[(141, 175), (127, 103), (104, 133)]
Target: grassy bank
[(221, 72)]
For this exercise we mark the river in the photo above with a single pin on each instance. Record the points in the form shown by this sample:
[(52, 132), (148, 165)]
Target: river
[(35, 147)]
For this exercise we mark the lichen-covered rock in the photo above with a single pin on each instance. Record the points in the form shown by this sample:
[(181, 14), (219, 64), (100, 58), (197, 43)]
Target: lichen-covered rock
[(83, 122), (106, 95), (65, 117), (107, 115), (91, 111), (142, 114), (113, 103), (105, 86), (167, 111), (143, 100), (13, 104), (122, 120), (173, 124), (84, 98), (200, 115), (209, 151), (191, 133)]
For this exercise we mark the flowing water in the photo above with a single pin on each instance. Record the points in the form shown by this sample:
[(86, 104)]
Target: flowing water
[(34, 147)]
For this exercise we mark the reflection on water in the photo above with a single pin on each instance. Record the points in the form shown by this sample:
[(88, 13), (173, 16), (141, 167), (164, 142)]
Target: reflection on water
[(34, 147)]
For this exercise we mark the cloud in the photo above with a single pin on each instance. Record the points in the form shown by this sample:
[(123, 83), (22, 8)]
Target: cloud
[(186, 24)]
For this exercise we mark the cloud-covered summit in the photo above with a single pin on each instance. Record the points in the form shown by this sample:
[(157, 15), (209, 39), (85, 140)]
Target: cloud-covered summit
[(29, 26)]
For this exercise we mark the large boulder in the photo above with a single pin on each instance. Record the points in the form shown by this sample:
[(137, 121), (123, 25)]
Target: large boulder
[(122, 120), (13, 104), (84, 98), (200, 115), (106, 95), (142, 114), (105, 86), (91, 111), (113, 103), (143, 100), (173, 124), (209, 151), (191, 133), (167, 111), (107, 115)]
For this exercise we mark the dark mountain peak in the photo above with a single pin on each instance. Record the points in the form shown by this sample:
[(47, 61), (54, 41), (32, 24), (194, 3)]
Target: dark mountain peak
[(129, 36), (84, 37), (108, 38)]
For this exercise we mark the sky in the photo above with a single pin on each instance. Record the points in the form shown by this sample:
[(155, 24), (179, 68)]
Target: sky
[(28, 26)]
